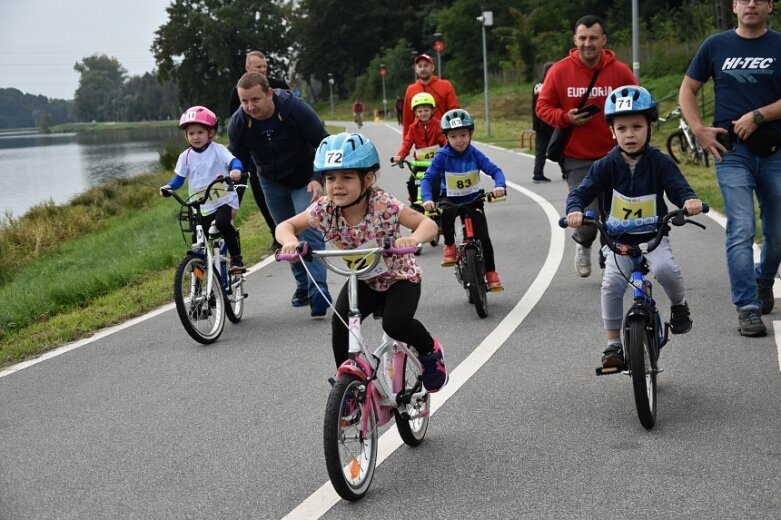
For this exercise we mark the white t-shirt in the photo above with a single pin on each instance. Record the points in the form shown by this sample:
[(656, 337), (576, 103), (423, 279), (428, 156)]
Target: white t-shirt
[(201, 168)]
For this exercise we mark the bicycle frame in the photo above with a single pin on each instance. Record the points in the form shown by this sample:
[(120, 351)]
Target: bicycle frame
[(382, 370)]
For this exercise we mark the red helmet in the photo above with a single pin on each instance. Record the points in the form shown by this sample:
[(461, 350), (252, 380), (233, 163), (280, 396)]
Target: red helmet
[(200, 115)]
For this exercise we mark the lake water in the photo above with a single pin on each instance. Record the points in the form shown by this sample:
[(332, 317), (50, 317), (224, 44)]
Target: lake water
[(37, 167)]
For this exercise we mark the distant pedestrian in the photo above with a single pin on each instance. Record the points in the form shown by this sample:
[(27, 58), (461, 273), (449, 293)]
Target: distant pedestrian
[(399, 109), (542, 131)]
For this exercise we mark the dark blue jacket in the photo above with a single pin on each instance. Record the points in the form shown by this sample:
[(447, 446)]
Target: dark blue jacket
[(655, 173), (282, 147)]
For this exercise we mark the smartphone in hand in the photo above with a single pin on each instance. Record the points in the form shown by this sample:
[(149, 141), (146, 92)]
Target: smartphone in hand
[(589, 109)]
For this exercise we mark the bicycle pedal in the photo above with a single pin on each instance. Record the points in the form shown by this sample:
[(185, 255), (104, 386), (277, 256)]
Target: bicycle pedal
[(608, 371)]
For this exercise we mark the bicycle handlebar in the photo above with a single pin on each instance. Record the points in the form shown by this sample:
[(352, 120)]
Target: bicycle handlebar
[(675, 217), (419, 164), (206, 193), (304, 251), (484, 196)]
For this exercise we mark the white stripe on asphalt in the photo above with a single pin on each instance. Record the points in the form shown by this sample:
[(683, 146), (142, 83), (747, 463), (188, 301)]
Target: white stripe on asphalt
[(319, 502)]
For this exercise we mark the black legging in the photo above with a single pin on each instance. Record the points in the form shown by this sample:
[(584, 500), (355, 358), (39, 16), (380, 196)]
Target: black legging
[(257, 193), (399, 303), (480, 226), (222, 219)]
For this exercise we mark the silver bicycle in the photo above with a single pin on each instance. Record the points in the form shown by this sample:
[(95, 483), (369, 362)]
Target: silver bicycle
[(682, 145)]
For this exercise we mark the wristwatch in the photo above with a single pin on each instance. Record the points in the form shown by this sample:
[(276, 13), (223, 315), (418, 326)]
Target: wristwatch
[(758, 117)]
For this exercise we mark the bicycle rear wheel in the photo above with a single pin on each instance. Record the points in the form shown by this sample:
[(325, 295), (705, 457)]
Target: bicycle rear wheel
[(350, 453), (677, 146), (412, 421), (234, 308), (642, 368), (477, 286), (201, 314)]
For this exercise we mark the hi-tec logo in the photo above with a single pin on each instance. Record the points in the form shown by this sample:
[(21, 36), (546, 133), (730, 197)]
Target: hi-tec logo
[(744, 69)]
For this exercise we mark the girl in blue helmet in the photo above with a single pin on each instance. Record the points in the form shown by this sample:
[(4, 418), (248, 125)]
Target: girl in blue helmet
[(634, 178), (356, 214)]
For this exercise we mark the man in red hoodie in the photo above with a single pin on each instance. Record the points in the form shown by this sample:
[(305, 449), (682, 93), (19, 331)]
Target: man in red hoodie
[(564, 88), (441, 89)]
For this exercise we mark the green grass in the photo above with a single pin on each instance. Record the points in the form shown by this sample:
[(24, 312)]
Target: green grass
[(68, 271)]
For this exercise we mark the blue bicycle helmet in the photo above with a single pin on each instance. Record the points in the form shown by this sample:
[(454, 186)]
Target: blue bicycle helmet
[(630, 99), (346, 151), (455, 119)]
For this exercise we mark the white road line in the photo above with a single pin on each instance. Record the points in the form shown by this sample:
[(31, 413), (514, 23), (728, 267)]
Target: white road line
[(109, 331), (319, 502)]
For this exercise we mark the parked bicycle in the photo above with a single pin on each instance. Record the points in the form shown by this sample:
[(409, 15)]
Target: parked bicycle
[(417, 170), (204, 290), (375, 384), (682, 145), (470, 267), (644, 333)]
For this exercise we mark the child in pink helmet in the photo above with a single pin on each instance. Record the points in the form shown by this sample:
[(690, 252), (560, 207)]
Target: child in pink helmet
[(200, 164)]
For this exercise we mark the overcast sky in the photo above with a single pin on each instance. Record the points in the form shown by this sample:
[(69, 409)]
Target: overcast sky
[(41, 40)]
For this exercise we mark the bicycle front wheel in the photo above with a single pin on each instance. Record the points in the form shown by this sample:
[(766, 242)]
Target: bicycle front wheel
[(476, 275), (642, 368), (201, 314), (677, 146), (412, 420), (234, 309), (350, 452)]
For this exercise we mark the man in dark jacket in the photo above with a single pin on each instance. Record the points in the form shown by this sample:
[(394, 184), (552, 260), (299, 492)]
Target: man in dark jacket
[(280, 132)]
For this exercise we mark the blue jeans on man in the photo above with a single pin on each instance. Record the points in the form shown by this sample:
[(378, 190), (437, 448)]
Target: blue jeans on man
[(284, 203), (741, 174)]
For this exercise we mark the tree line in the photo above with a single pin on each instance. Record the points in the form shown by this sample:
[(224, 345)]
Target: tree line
[(200, 50)]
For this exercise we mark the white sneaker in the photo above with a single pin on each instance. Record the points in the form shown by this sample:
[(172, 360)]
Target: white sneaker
[(583, 261)]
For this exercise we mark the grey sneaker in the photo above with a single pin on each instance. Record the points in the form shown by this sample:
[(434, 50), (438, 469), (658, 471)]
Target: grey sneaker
[(765, 293), (750, 323), (583, 261)]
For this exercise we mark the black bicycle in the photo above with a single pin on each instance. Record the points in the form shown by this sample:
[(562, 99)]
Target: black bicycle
[(204, 289), (470, 266), (417, 170), (644, 333)]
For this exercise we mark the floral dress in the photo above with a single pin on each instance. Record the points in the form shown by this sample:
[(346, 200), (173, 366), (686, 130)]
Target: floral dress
[(381, 221)]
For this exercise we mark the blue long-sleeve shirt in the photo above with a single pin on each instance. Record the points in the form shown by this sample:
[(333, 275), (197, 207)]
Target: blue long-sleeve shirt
[(459, 170)]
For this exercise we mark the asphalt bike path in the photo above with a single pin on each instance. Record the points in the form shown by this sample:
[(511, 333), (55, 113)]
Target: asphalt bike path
[(145, 423)]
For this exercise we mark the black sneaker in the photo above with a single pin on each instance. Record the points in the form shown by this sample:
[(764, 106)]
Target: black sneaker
[(680, 322), (237, 265), (300, 298), (765, 293), (541, 178), (613, 357), (750, 323)]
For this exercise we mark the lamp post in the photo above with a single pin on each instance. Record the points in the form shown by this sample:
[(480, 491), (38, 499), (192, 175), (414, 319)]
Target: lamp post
[(486, 20), (383, 72), (331, 90), (439, 46)]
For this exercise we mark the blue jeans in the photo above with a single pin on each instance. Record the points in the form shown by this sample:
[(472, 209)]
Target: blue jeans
[(741, 174), (284, 203)]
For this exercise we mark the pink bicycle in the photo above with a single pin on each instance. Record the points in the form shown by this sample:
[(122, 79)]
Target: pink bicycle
[(374, 385)]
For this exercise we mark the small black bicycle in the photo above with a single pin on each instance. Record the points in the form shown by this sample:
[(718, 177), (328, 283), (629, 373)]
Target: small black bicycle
[(643, 331)]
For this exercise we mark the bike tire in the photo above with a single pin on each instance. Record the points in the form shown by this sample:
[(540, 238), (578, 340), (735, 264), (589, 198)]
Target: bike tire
[(234, 302), (202, 315), (642, 368), (477, 286), (350, 454), (677, 147), (413, 430)]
